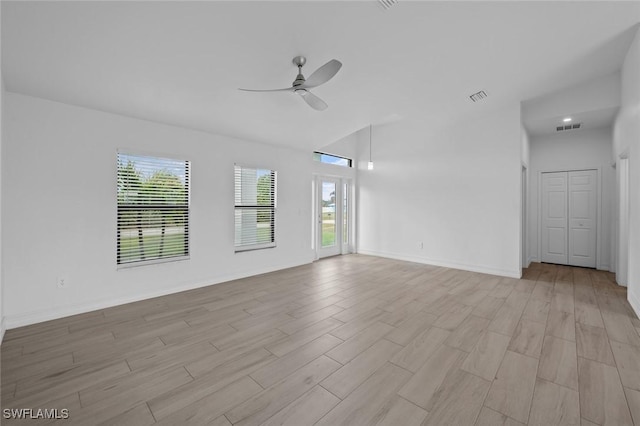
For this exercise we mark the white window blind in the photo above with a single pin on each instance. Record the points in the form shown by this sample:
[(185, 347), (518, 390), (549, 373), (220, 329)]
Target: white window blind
[(255, 206), (153, 209)]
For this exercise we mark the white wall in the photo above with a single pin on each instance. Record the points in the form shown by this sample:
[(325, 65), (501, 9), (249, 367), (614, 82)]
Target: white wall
[(2, 92), (574, 150), (456, 190), (626, 141), (345, 147), (59, 209)]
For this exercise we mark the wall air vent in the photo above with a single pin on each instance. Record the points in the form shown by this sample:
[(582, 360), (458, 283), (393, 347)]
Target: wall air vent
[(478, 96), (568, 127), (386, 4)]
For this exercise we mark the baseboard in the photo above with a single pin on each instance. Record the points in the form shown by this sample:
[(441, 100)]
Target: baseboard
[(2, 329), (445, 263), (20, 320), (634, 301), (603, 267)]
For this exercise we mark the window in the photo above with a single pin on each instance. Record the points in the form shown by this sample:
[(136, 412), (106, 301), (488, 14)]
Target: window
[(255, 202), (332, 159), (153, 209)]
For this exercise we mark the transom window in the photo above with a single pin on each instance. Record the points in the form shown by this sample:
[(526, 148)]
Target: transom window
[(332, 159)]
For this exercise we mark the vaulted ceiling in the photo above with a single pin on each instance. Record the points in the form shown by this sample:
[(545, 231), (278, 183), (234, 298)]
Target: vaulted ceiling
[(181, 62)]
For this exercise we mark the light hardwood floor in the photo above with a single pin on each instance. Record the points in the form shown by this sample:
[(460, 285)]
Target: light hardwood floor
[(350, 340)]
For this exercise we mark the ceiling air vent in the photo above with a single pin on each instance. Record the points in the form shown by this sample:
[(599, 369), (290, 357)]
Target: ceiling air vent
[(386, 4), (568, 127), (478, 96)]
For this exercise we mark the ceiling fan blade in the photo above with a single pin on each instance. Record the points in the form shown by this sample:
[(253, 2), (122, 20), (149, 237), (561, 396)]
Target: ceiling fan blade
[(288, 89), (323, 74), (314, 101)]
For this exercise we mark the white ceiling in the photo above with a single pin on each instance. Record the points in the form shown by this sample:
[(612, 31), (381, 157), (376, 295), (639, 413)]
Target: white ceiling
[(181, 62), (593, 104), (592, 119)]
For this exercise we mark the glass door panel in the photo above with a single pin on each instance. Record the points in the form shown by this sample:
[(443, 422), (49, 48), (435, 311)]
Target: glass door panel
[(328, 219), (329, 211), (345, 214)]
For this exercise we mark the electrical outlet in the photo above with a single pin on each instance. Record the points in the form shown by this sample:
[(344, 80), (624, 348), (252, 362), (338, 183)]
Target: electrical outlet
[(62, 282)]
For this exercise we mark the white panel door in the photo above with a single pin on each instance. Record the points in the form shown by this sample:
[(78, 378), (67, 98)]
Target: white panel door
[(554, 218), (582, 218)]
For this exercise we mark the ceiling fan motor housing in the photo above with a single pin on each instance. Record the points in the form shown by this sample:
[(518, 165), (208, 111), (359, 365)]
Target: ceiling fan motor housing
[(299, 80)]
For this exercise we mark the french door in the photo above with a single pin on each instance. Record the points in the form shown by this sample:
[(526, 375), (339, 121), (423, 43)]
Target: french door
[(333, 214)]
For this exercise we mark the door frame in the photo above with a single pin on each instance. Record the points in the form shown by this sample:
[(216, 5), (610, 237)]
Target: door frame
[(623, 213), (342, 246), (598, 170), (524, 217)]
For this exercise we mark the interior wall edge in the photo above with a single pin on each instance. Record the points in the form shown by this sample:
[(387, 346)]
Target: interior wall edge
[(445, 263), (634, 300), (34, 317)]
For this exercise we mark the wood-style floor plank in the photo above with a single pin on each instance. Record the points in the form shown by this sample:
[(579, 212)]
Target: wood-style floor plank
[(268, 402), (346, 379), (527, 338), (628, 363), (489, 417), (459, 400), (352, 339), (486, 356), (412, 356), (512, 389), (602, 399), (593, 343), (306, 410), (422, 387), (554, 405), (363, 404), (559, 362)]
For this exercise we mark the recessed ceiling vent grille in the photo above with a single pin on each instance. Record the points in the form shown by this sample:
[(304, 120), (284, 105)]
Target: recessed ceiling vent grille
[(568, 127), (478, 96), (386, 4)]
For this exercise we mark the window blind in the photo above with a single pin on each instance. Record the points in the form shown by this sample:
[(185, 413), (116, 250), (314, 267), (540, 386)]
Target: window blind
[(255, 206), (153, 209)]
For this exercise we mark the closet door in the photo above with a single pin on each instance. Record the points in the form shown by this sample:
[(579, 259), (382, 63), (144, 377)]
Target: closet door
[(582, 218), (554, 218)]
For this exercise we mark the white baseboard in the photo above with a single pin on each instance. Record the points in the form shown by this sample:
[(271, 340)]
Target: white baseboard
[(634, 301), (2, 329), (20, 320), (445, 263), (603, 267)]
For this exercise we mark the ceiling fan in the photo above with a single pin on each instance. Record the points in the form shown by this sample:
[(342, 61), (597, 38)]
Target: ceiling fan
[(301, 85)]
